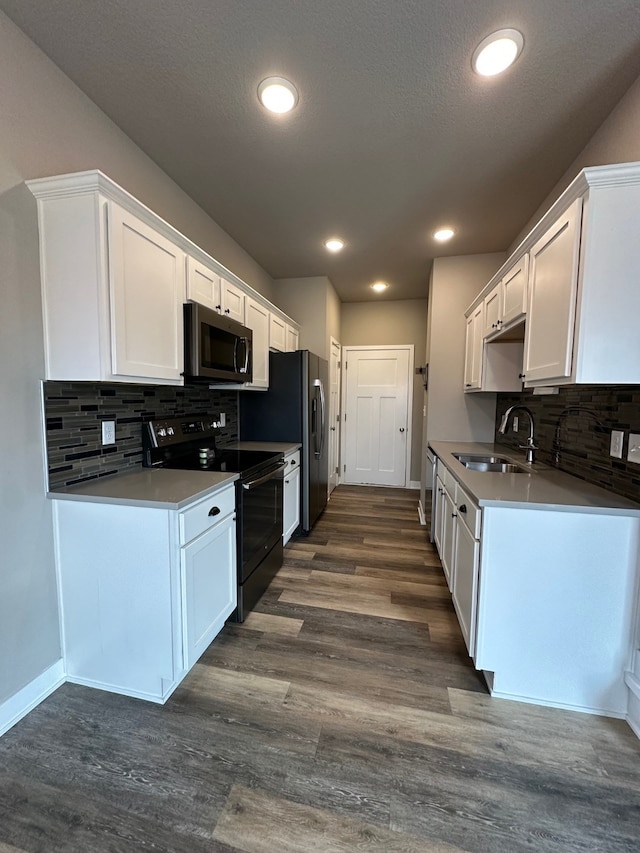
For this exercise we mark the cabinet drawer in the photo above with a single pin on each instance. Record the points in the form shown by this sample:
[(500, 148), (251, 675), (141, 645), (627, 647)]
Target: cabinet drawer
[(197, 519), (449, 482), (472, 516), (292, 461)]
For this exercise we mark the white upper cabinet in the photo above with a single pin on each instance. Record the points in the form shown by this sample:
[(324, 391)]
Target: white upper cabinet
[(258, 321), (203, 285), (114, 279), (146, 286), (277, 333), (505, 305), (514, 293), (553, 285), (233, 301), (580, 289), (473, 349), (112, 286), (292, 338)]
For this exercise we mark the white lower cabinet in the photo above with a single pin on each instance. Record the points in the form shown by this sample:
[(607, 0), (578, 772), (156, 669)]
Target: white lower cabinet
[(144, 590), (544, 597), (291, 512)]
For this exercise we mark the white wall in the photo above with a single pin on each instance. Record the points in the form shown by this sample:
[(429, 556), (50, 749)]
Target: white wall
[(453, 415), (388, 323), (49, 127)]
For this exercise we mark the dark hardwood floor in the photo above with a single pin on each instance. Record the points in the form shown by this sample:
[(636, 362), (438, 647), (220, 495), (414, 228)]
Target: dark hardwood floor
[(344, 715)]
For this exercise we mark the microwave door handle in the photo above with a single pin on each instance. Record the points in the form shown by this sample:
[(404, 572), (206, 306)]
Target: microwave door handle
[(245, 369), (235, 355)]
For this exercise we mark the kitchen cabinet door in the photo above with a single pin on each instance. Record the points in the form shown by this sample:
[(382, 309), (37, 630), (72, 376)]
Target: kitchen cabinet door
[(277, 333), (447, 554), (291, 514), (439, 515), (553, 287), (233, 301), (203, 285), (465, 582), (474, 343), (257, 320), (292, 337), (146, 272), (492, 311), (514, 292), (209, 588)]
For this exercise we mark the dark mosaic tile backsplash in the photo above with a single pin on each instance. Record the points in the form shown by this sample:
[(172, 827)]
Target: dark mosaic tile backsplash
[(74, 411), (573, 432)]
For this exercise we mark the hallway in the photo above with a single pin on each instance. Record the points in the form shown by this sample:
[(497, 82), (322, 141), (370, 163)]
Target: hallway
[(343, 715)]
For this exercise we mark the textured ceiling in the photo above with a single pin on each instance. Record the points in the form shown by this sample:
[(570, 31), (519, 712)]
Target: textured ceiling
[(393, 134)]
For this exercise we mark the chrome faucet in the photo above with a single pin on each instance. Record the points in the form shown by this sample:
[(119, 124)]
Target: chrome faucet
[(530, 446)]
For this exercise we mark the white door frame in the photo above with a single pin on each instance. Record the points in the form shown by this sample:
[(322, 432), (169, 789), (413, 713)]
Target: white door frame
[(337, 423), (343, 398)]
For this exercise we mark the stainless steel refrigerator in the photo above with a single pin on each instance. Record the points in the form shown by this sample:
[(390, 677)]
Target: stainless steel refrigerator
[(294, 409)]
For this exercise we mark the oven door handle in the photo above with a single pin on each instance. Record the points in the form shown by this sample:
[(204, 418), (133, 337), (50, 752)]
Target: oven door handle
[(252, 484)]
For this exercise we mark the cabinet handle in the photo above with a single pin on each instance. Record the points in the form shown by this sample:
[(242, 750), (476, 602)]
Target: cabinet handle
[(498, 322), (215, 510), (293, 462), (462, 508), (287, 481), (454, 515), (521, 376), (218, 307), (401, 429), (467, 385), (227, 310)]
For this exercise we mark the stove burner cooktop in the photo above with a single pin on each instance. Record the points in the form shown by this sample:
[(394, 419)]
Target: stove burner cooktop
[(244, 462)]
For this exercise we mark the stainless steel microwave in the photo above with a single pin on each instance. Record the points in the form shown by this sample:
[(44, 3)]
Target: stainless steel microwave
[(216, 348)]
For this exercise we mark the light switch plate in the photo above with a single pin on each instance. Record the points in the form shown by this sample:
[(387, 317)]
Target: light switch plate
[(633, 452), (617, 440)]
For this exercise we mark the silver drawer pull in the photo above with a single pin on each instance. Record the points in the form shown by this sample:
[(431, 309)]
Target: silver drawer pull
[(215, 510)]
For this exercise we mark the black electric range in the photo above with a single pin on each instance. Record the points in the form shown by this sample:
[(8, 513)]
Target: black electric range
[(190, 444)]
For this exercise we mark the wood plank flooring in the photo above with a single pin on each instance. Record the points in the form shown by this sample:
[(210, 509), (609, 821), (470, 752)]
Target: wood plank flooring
[(343, 715)]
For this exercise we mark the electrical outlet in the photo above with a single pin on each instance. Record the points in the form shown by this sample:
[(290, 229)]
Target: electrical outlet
[(633, 451), (617, 439), (515, 423), (108, 432), (223, 419)]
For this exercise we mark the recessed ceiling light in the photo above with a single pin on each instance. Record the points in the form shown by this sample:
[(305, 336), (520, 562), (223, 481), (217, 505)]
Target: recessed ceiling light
[(497, 52), (277, 94), (334, 244), (443, 234), (379, 286)]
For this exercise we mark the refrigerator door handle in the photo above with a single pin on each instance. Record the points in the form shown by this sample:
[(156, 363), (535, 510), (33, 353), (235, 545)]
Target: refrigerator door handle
[(318, 384)]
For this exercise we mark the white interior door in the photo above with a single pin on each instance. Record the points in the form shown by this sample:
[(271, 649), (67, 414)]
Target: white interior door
[(376, 414), (334, 414)]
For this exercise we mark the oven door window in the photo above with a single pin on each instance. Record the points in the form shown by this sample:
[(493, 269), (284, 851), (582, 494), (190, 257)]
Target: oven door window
[(261, 522)]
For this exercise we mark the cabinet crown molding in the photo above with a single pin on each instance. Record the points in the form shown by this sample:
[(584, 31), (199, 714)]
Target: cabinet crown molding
[(592, 177)]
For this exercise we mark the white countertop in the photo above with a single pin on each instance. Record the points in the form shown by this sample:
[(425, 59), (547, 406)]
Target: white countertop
[(151, 487), (275, 446), (542, 487)]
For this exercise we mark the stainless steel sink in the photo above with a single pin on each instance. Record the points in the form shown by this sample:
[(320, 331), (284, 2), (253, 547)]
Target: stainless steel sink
[(496, 464)]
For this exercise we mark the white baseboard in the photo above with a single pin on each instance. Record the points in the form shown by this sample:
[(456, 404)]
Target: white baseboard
[(25, 700), (564, 706), (414, 484), (421, 515), (633, 713)]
